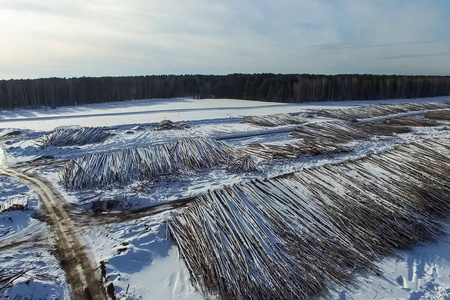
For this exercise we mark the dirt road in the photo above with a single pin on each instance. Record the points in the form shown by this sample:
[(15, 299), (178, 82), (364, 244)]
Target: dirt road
[(84, 281)]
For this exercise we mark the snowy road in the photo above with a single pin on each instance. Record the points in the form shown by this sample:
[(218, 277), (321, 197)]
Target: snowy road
[(81, 275)]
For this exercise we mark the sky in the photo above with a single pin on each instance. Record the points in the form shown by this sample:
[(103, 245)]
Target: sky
[(73, 38)]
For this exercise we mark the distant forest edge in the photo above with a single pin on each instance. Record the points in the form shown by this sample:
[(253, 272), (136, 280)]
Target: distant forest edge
[(53, 92)]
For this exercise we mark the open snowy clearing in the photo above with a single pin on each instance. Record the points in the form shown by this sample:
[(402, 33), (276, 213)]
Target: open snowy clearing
[(136, 248)]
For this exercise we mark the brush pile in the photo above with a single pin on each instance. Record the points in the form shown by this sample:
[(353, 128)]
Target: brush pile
[(274, 120), (125, 166), (71, 136), (298, 235), (8, 277), (9, 133), (366, 112), (169, 125), (13, 204), (246, 163), (443, 115)]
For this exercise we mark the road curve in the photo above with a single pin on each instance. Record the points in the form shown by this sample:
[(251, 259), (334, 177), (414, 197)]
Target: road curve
[(84, 281)]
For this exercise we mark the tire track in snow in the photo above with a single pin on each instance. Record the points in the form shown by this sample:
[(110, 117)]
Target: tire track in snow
[(81, 276)]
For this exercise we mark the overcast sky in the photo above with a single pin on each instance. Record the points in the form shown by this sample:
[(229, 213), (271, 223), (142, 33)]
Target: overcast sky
[(68, 38)]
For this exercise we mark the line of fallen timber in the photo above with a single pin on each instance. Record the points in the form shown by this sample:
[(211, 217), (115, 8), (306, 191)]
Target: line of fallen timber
[(373, 111), (124, 166), (246, 134), (298, 235), (274, 120)]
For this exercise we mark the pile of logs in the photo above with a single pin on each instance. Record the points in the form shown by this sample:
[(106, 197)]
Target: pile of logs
[(245, 163), (274, 120), (443, 114), (292, 150), (296, 236), (70, 136), (169, 125), (329, 132), (365, 112), (125, 166), (13, 204)]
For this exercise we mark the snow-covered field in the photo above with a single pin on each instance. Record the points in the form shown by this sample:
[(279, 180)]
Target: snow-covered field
[(141, 260), (156, 110)]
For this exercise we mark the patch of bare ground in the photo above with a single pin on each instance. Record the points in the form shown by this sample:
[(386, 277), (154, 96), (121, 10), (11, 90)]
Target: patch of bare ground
[(84, 218), (34, 240), (39, 162)]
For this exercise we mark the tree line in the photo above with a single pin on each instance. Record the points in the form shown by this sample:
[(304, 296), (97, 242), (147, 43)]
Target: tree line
[(53, 92)]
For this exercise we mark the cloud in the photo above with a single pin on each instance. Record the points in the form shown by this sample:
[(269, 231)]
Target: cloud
[(416, 55), (343, 46), (111, 37)]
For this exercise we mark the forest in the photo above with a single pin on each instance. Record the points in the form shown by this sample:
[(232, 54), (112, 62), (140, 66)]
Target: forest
[(54, 92)]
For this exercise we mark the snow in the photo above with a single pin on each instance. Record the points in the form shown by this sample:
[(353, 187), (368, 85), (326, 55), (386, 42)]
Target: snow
[(12, 223), (3, 161), (141, 261), (25, 244), (156, 110), (44, 279), (422, 273), (170, 274)]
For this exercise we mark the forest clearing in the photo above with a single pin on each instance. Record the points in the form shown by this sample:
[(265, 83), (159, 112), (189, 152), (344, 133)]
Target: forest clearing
[(340, 200)]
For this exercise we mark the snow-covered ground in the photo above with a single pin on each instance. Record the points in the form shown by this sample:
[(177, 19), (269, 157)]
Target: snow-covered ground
[(156, 110), (26, 248), (141, 260), (421, 273)]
